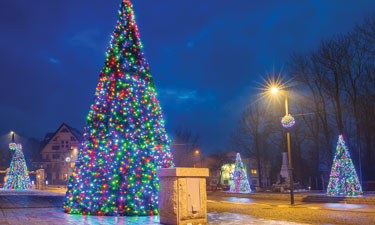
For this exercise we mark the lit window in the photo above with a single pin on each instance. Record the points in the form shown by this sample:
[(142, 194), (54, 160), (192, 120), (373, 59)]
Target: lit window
[(253, 171)]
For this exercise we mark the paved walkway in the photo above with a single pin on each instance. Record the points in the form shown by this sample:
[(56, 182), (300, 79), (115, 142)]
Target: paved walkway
[(315, 213), (42, 208)]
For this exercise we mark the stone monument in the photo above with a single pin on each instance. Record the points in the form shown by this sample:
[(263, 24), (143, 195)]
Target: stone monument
[(182, 196), (283, 183), (284, 172)]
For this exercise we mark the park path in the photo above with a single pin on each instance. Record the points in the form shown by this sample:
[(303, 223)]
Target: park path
[(44, 208), (310, 213)]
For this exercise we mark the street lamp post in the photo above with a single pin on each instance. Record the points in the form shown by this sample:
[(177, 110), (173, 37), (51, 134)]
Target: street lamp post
[(67, 160), (12, 133), (274, 90), (289, 155), (197, 154)]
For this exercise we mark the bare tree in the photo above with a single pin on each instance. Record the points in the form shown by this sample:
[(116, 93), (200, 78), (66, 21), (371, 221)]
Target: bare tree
[(253, 134), (183, 146), (337, 84)]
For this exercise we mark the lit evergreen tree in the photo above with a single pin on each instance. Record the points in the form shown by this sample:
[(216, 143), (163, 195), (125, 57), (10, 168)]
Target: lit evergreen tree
[(124, 141), (343, 180), (17, 176), (240, 182)]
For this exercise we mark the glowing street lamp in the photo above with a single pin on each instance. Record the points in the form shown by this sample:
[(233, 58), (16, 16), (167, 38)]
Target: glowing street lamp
[(274, 90), (287, 122)]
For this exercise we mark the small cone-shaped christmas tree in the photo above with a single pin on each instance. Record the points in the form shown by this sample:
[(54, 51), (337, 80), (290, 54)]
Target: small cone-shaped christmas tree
[(17, 176), (343, 180), (124, 141), (240, 182)]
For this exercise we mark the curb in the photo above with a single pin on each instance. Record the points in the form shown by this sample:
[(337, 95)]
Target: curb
[(299, 197)]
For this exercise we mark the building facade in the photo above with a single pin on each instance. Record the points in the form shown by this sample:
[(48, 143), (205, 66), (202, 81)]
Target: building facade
[(253, 173), (58, 154)]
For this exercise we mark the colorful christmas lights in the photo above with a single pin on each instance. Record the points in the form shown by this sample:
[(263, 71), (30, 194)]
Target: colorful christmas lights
[(288, 121), (343, 180), (17, 176), (240, 182), (125, 141)]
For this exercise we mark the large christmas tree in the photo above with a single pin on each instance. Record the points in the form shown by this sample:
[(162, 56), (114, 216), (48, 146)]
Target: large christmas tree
[(240, 182), (343, 180), (17, 176), (124, 140)]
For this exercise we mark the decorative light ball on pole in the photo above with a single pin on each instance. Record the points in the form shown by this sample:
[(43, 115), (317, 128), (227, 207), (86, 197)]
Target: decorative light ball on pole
[(13, 146), (288, 121)]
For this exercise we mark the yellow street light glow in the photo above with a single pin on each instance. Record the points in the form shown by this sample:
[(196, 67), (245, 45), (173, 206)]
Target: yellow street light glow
[(197, 152), (12, 132), (274, 90)]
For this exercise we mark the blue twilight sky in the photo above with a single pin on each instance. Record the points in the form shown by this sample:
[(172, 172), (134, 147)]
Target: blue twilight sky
[(206, 56)]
